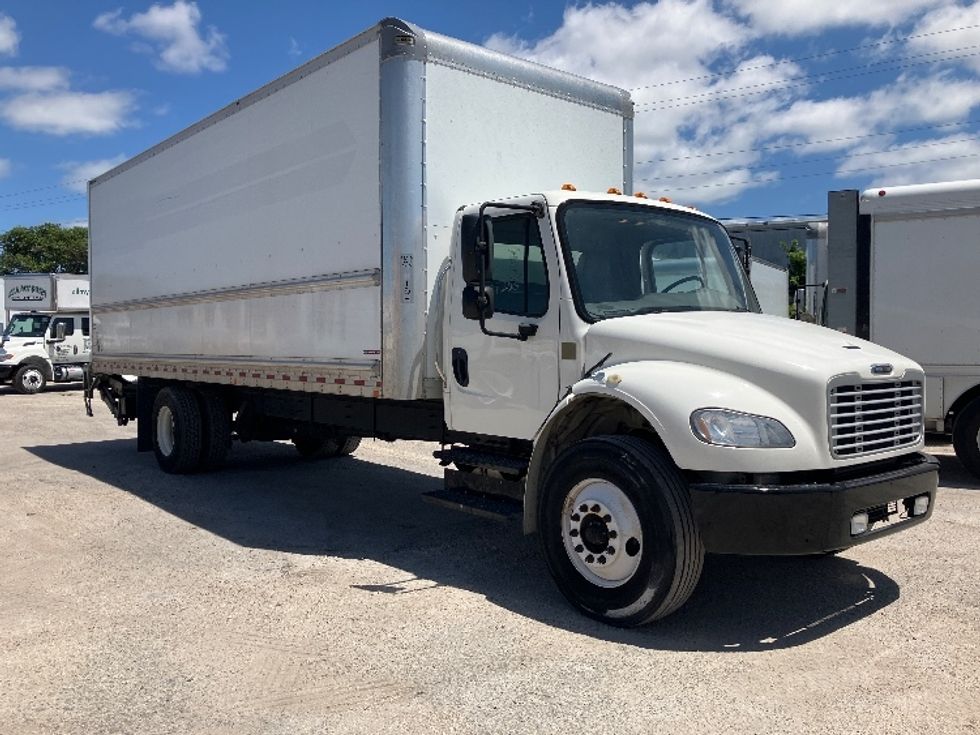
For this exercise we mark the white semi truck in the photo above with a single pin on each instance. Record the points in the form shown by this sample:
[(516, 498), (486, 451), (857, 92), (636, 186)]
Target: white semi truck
[(902, 265), (47, 337), (366, 247)]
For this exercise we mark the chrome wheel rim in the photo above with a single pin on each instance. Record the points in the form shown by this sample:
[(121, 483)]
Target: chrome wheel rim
[(165, 431), (32, 379), (602, 533)]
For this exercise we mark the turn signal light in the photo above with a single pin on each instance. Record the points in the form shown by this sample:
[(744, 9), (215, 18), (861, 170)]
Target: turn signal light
[(665, 200), (613, 190), (640, 195), (568, 187)]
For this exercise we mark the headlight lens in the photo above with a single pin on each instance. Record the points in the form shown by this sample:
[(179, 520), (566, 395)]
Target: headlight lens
[(733, 429)]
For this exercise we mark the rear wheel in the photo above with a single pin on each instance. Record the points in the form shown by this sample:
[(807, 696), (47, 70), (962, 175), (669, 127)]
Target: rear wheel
[(177, 430), (314, 447), (215, 428), (30, 379), (966, 437), (618, 530)]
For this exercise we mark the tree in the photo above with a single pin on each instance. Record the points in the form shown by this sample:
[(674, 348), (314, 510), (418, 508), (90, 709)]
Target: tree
[(796, 257), (47, 248)]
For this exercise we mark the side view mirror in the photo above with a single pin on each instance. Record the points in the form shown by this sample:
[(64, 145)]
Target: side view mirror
[(743, 247), (477, 302), (59, 332)]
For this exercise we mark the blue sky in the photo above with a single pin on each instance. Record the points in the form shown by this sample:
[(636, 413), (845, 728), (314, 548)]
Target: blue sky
[(744, 107)]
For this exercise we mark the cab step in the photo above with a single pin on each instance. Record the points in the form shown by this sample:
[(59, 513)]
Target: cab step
[(466, 501)]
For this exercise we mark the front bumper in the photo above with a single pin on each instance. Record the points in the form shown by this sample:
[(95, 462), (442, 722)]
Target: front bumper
[(7, 371), (809, 517)]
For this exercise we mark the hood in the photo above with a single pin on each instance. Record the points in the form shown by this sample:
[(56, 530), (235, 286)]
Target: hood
[(756, 347)]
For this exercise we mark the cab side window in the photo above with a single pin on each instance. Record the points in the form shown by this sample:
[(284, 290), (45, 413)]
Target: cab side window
[(69, 326), (85, 323), (520, 276)]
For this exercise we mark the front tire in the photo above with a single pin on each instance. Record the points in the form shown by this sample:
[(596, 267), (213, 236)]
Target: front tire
[(966, 437), (30, 379), (177, 430), (618, 531)]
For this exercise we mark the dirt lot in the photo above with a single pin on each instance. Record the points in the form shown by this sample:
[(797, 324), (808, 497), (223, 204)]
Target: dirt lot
[(284, 597)]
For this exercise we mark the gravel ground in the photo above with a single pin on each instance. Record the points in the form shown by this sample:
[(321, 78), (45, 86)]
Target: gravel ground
[(279, 596)]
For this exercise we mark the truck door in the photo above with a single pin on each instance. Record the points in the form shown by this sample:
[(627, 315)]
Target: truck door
[(498, 385), (71, 348)]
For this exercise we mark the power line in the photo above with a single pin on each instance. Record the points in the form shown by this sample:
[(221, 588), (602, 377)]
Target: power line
[(807, 161), (814, 175), (724, 95), (832, 75), (42, 202), (804, 58), (784, 146), (63, 184)]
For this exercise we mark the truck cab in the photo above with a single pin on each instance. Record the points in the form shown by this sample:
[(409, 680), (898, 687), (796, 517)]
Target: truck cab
[(39, 347), (621, 339)]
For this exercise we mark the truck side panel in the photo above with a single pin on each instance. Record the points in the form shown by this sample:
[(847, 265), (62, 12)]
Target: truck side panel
[(256, 236)]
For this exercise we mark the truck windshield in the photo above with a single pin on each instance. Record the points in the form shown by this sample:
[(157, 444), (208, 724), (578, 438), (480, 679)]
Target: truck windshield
[(27, 325), (628, 259)]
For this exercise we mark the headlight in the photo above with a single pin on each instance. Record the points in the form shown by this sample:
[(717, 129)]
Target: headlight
[(734, 429)]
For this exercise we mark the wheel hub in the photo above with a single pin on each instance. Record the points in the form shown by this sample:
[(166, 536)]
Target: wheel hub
[(602, 533)]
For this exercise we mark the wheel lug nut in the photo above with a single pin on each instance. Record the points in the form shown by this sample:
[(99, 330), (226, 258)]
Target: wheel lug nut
[(606, 518), (596, 508), (579, 549), (611, 550), (602, 560), (573, 533), (589, 559), (613, 534), (576, 517), (583, 508)]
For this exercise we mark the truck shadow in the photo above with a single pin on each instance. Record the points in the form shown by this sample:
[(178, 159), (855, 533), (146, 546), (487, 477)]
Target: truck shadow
[(266, 498), (952, 473), (49, 388)]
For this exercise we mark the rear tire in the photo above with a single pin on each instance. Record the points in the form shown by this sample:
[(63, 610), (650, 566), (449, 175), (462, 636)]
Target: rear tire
[(216, 429), (313, 447), (30, 379), (621, 493), (177, 430), (966, 437)]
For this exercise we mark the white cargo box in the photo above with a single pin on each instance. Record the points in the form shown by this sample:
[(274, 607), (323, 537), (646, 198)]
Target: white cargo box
[(46, 292), (293, 239)]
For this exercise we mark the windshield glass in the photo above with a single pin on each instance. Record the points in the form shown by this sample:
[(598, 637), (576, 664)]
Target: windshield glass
[(630, 259), (27, 325)]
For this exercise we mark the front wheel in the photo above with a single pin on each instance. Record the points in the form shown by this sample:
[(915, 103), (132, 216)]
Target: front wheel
[(30, 379), (618, 531)]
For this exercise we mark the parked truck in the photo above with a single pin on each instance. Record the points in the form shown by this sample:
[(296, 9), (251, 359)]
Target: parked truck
[(367, 248), (902, 264), (47, 337)]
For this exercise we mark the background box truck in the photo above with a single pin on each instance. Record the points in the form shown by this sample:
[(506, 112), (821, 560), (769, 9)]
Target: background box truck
[(902, 263), (47, 337), (368, 247)]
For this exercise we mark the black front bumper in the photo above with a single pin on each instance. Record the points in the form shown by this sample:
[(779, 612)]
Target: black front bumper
[(7, 371), (809, 517)]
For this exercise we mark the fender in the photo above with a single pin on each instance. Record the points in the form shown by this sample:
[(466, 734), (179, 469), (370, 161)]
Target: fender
[(659, 397), (38, 362)]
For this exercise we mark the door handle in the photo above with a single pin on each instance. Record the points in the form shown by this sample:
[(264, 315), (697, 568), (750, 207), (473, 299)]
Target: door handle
[(461, 366)]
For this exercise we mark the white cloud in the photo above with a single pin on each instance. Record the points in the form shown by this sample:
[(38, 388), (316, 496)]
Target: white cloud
[(5, 167), (33, 78), (294, 48), (173, 32), (799, 17), (9, 37), (79, 173), (947, 159), (76, 223), (65, 113)]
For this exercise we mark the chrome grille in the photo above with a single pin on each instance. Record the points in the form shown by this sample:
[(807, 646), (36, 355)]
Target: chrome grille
[(874, 416)]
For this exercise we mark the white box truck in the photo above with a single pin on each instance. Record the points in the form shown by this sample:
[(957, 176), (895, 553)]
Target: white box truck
[(366, 248), (902, 266), (47, 337)]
